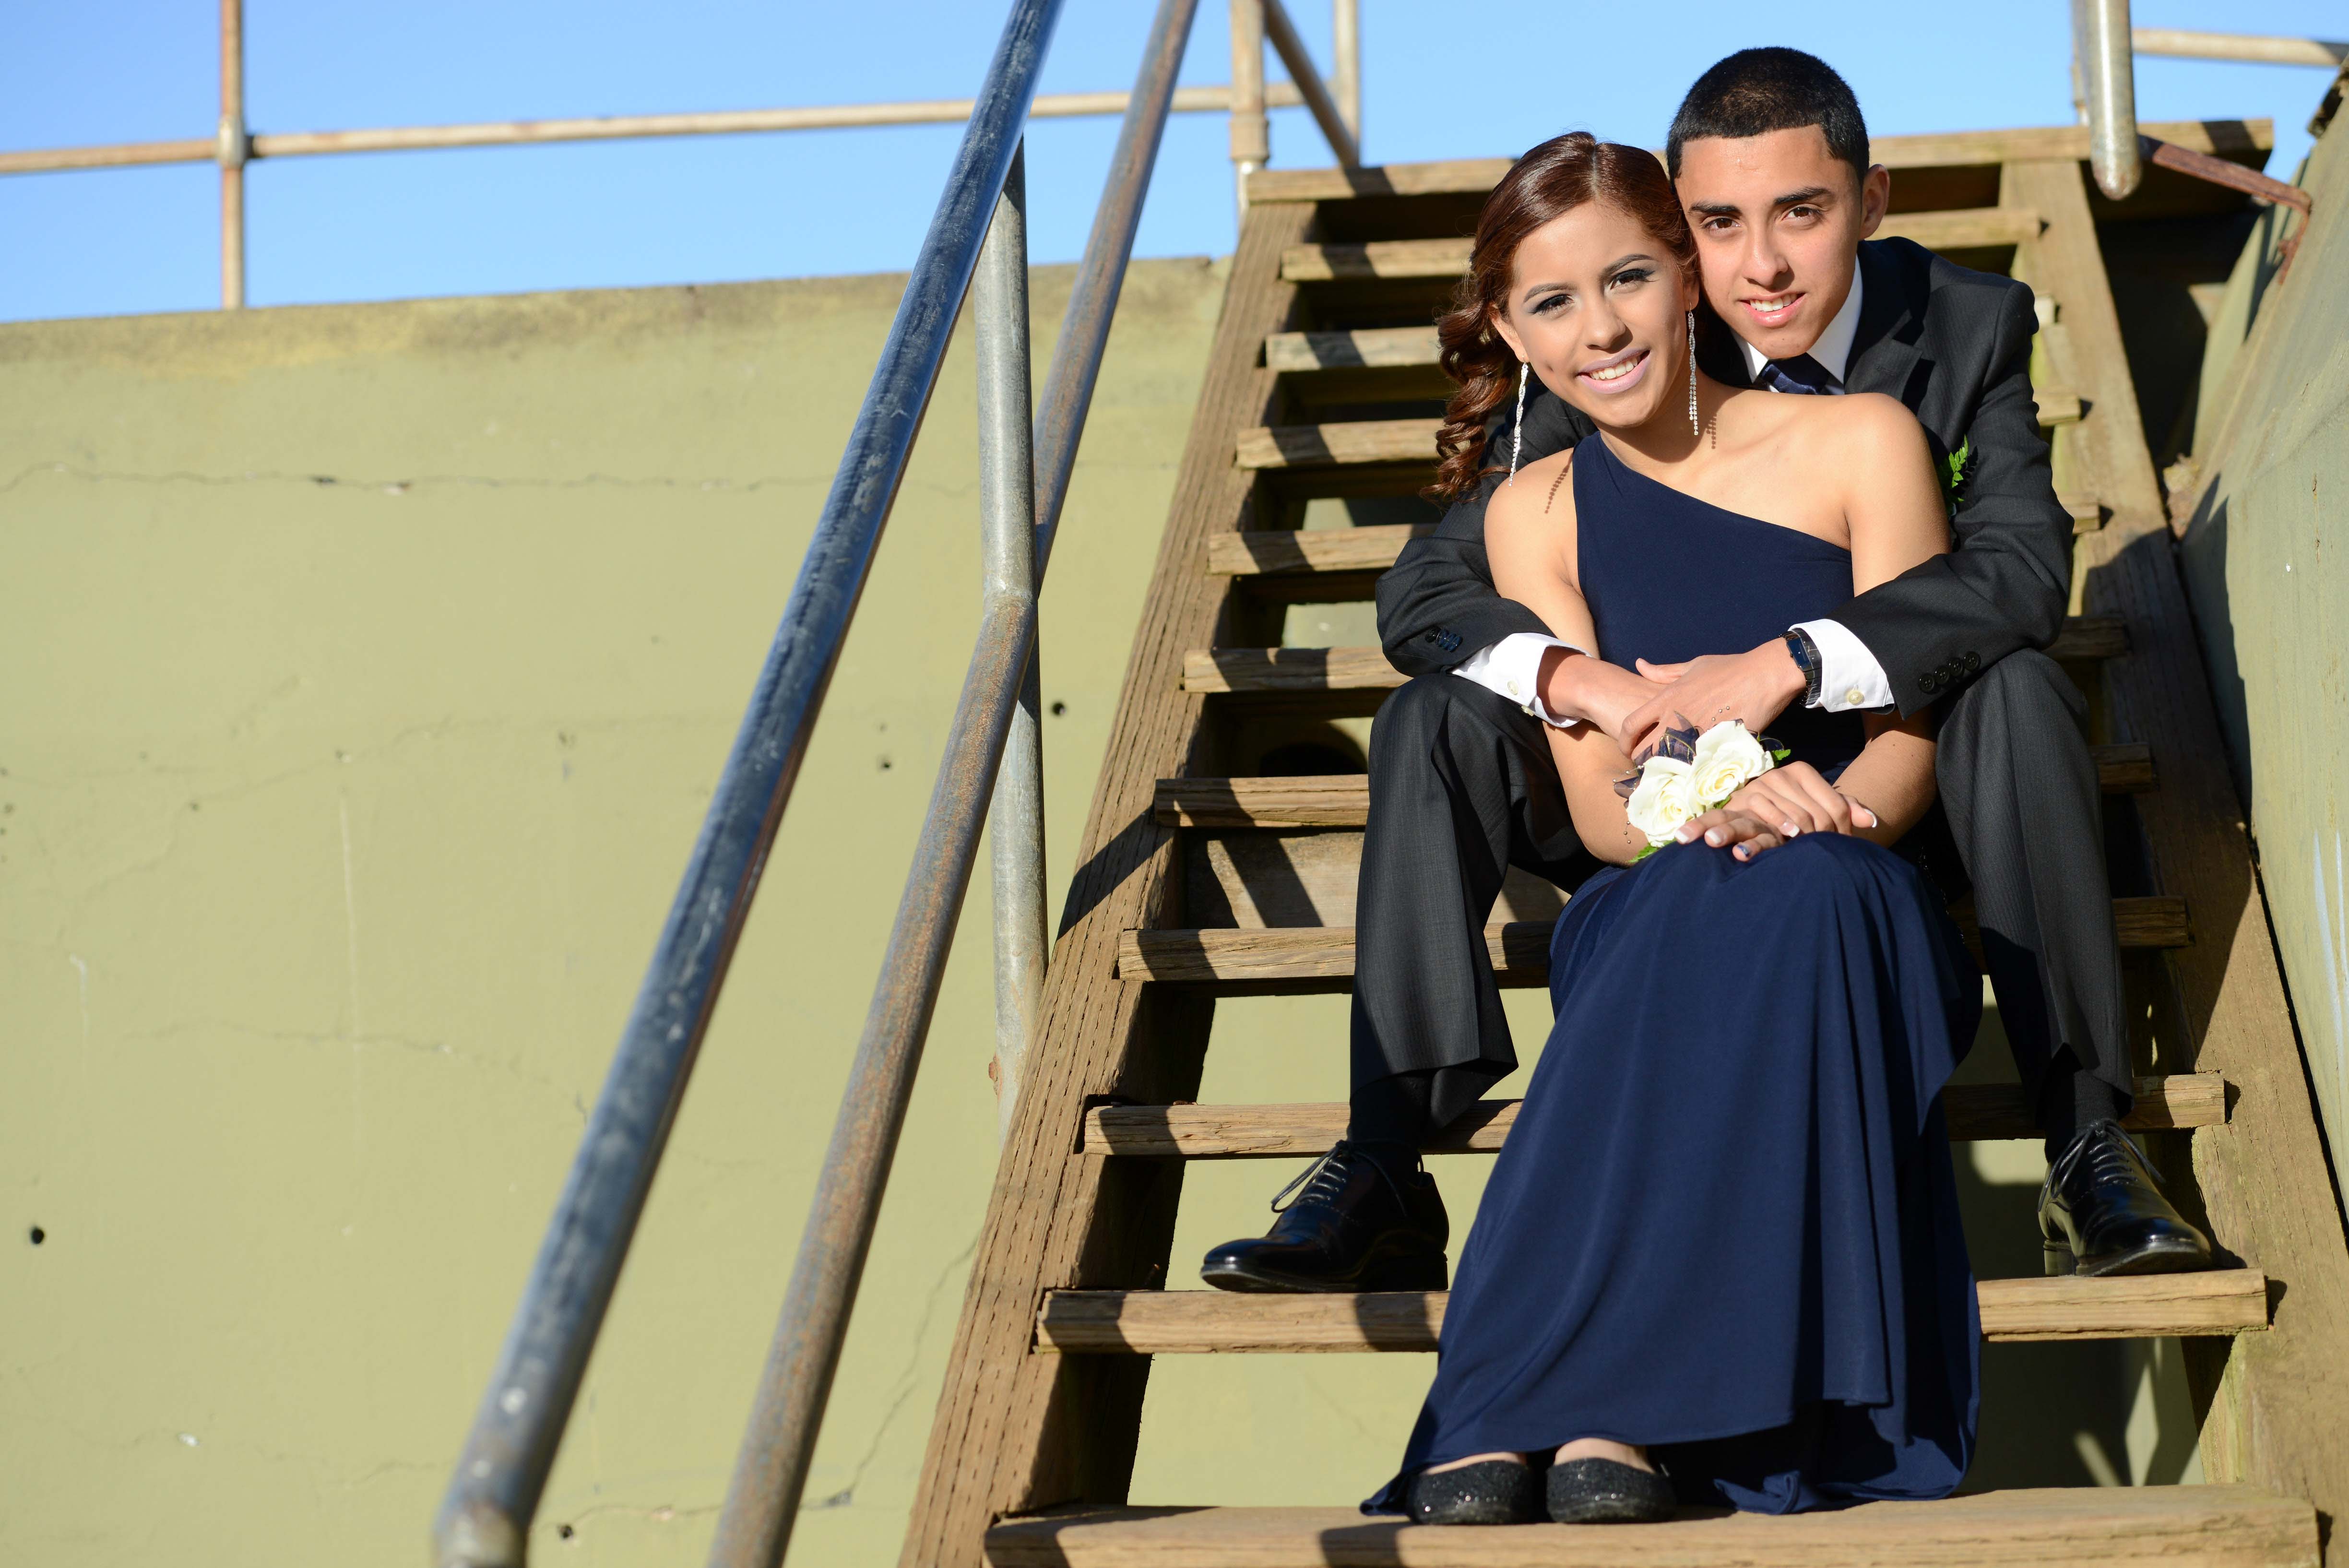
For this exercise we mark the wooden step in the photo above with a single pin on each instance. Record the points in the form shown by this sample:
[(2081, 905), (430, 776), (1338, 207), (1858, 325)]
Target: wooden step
[(1975, 1112), (1416, 347), (1350, 441), (2241, 140), (1344, 800), (1304, 959), (1290, 552), (2138, 1527), (1971, 228), (1242, 672), (1215, 1323)]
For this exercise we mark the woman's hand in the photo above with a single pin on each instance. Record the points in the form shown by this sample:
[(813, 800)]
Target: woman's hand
[(1784, 803)]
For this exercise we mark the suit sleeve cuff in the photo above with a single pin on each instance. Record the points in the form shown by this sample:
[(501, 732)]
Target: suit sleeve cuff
[(1512, 668), (1849, 676)]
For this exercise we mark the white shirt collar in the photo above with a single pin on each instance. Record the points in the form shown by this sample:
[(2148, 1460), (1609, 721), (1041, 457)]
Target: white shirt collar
[(1834, 347)]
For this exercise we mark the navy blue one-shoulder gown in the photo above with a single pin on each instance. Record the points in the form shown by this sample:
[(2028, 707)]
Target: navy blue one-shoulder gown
[(1725, 1223)]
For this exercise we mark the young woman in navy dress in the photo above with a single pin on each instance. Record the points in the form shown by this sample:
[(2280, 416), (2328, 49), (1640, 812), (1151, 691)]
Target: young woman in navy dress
[(1718, 1260)]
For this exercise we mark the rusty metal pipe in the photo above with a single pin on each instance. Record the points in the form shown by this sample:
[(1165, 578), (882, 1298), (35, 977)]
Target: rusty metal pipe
[(485, 1517), (771, 1471)]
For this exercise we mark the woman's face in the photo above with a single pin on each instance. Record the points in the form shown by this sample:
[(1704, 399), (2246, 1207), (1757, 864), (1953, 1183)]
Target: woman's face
[(1596, 305)]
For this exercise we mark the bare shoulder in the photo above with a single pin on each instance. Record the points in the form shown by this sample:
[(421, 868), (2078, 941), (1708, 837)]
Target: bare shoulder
[(1873, 424), (1537, 499)]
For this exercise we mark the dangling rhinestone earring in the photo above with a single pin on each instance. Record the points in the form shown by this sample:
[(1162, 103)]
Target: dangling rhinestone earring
[(1518, 442), (1694, 428)]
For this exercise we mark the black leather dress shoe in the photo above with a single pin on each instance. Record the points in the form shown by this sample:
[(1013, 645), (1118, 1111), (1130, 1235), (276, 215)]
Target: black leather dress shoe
[(2101, 1212), (1353, 1226), (1497, 1491)]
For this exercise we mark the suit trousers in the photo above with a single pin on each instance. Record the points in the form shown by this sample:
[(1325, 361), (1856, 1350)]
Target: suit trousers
[(1463, 786)]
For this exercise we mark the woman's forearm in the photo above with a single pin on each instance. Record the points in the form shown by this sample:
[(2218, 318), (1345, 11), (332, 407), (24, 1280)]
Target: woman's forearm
[(1893, 777)]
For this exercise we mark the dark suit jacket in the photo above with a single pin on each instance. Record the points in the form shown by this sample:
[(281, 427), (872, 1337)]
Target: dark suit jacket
[(1954, 346)]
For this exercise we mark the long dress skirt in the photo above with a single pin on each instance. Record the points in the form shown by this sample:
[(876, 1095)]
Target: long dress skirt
[(1725, 1222)]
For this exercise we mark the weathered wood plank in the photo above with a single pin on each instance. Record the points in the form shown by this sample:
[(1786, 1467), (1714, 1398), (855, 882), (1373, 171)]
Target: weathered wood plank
[(1519, 950), (1242, 671), (1283, 552), (1344, 800), (2275, 1411), (1975, 1113), (2242, 138), (1964, 230), (1270, 551), (1213, 1322), (1331, 445), (1350, 441), (2122, 1527), (1397, 347), (1013, 1431)]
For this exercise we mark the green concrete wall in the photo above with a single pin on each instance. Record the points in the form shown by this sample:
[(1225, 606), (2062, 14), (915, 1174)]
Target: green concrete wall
[(370, 668), (2266, 554), (369, 671)]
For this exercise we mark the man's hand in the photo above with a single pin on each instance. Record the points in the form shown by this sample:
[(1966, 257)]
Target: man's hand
[(1754, 686), (1576, 686)]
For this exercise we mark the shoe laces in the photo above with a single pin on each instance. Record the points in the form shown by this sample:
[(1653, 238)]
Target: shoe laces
[(1324, 1178), (2109, 1156)]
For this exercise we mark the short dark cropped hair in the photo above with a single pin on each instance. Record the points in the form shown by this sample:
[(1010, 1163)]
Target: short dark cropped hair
[(1755, 91)]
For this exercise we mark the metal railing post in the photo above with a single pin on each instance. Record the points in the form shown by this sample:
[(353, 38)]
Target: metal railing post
[(1346, 81), (2107, 73), (787, 1413), (1251, 133), (231, 148), (1007, 498), (1290, 47), (485, 1516)]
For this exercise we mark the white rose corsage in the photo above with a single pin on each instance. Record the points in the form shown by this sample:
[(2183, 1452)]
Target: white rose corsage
[(1689, 775)]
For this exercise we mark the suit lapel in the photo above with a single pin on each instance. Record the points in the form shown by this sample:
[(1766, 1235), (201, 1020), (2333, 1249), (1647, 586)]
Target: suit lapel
[(1884, 357)]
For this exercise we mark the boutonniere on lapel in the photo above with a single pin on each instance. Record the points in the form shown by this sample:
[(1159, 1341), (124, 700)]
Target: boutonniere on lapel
[(1957, 472)]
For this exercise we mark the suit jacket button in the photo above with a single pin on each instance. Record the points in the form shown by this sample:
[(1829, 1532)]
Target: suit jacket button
[(1973, 661), (1929, 684)]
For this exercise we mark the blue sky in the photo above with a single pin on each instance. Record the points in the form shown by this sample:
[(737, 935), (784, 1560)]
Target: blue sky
[(1442, 78)]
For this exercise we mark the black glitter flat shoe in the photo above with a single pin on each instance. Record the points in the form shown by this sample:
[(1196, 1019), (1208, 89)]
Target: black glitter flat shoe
[(1601, 1491), (1495, 1492)]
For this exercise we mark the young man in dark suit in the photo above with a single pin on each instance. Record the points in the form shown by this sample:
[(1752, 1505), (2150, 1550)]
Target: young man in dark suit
[(1770, 156)]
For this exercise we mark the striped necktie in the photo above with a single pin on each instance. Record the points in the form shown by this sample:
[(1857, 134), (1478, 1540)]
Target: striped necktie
[(1799, 373)]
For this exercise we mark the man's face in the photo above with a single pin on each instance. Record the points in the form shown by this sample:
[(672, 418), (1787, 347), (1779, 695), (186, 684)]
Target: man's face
[(1778, 220)]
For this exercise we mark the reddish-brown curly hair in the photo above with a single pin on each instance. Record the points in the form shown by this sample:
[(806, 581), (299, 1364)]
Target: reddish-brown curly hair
[(1555, 178)]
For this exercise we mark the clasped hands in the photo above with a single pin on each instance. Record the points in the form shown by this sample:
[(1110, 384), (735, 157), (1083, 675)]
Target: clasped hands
[(1755, 687)]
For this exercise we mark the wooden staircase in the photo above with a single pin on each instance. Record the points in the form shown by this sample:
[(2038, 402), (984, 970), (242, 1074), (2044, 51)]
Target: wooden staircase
[(1201, 877)]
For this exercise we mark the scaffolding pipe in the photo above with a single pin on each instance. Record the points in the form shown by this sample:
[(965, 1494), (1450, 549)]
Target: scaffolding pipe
[(232, 148), (2101, 50), (1006, 502)]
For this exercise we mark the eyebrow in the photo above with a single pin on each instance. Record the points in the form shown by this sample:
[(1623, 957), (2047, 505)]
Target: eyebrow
[(1791, 199), (1618, 265)]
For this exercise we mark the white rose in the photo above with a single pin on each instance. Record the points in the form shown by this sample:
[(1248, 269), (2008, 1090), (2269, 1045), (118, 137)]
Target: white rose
[(1663, 800), (1728, 757)]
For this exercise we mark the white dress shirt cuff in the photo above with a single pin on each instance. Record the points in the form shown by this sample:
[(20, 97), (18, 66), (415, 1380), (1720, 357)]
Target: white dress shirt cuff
[(1512, 667), (1849, 676)]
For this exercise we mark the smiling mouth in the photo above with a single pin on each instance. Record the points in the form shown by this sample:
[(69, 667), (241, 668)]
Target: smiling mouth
[(1616, 374), (1773, 310)]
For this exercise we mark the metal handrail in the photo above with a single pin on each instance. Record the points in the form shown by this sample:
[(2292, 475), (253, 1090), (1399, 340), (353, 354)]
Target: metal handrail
[(771, 1471), (484, 1519)]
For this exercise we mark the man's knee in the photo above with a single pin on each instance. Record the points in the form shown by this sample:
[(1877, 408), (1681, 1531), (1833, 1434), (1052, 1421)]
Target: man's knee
[(2026, 689), (1432, 712)]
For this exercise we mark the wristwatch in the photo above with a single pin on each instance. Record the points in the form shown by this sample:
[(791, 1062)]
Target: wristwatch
[(1806, 655)]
